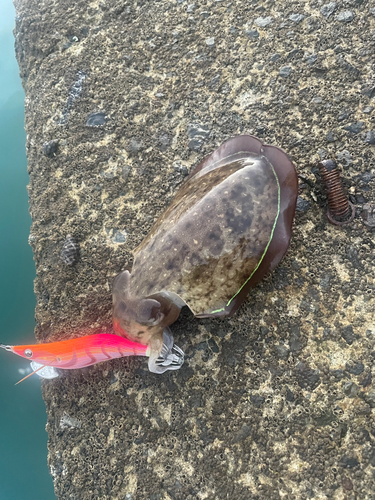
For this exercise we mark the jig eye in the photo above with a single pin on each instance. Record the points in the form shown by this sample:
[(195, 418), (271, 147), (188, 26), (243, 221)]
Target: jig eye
[(28, 353)]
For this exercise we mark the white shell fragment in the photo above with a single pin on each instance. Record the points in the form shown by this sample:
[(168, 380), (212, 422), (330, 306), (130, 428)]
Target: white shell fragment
[(48, 372)]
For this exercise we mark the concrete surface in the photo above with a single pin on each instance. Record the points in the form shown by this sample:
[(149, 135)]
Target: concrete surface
[(279, 401)]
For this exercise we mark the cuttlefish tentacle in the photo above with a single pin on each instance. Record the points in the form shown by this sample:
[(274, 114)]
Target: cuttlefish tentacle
[(142, 320)]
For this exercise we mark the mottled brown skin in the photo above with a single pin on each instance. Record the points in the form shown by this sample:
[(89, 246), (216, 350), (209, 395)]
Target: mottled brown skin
[(228, 226)]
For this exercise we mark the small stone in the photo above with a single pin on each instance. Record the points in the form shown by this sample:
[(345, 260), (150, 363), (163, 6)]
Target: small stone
[(302, 205), (349, 462), (210, 42), (296, 18), (285, 71), (289, 395), (350, 389), (339, 374), (190, 8), (330, 137), (96, 120), (317, 100), (274, 57), (354, 128), (325, 285), (366, 381), (70, 251), (322, 153), (345, 16), (368, 215), (345, 158), (369, 90), (252, 34), (195, 144), (370, 398), (328, 9), (120, 236), (306, 376), (311, 59), (50, 148), (257, 400), (181, 169), (361, 199), (262, 22), (347, 334), (293, 53), (344, 114), (282, 351), (367, 177), (198, 132), (368, 109), (355, 369), (164, 141), (213, 346), (370, 137)]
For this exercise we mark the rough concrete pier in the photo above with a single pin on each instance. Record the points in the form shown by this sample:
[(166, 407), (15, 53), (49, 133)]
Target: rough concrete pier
[(122, 100)]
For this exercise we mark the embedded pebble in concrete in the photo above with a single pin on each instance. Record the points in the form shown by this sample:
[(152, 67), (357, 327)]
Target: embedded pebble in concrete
[(252, 34), (302, 204), (345, 158), (285, 71), (262, 22), (311, 59), (345, 17), (271, 403), (370, 137), (328, 9), (297, 18), (354, 128), (95, 120)]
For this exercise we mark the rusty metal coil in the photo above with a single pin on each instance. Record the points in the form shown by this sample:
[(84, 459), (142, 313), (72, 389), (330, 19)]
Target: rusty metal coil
[(340, 210)]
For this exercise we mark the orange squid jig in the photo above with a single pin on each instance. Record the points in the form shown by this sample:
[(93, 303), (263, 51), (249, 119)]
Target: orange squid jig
[(79, 352)]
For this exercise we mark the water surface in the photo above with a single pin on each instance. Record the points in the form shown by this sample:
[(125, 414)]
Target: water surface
[(23, 446)]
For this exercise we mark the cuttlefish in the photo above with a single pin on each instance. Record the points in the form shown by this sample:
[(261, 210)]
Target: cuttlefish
[(227, 227)]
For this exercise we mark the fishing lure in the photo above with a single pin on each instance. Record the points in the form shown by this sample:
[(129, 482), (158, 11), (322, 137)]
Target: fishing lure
[(80, 352), (228, 226)]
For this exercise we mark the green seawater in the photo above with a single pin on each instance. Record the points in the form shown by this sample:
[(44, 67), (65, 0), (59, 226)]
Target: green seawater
[(23, 439)]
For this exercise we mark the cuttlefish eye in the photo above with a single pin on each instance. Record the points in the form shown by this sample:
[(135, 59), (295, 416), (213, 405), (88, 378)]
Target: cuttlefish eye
[(28, 353)]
